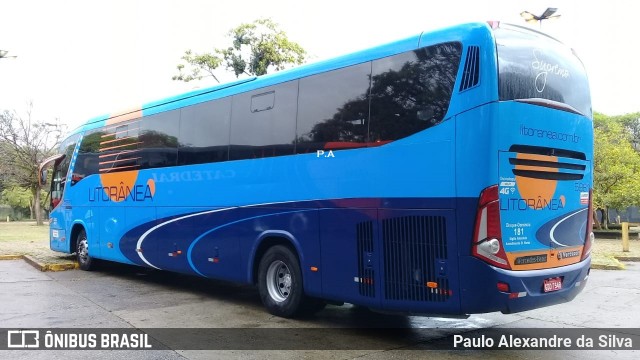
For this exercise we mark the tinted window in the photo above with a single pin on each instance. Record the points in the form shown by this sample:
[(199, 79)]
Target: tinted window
[(116, 146), (61, 168), (259, 129), (530, 65), (88, 155), (67, 148), (204, 132), (159, 140), (411, 91), (333, 109)]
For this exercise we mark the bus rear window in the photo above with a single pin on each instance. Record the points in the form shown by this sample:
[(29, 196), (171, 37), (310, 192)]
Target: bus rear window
[(534, 66)]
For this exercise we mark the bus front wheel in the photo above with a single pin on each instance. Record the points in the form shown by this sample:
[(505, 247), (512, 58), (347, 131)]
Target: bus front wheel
[(82, 251), (280, 282)]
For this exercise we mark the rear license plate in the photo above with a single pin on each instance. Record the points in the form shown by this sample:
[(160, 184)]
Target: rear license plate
[(552, 284)]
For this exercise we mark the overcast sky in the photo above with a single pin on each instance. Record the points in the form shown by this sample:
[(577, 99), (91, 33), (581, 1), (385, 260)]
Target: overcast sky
[(77, 59)]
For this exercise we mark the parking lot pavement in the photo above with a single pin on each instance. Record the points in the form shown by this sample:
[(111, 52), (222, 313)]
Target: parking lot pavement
[(118, 296)]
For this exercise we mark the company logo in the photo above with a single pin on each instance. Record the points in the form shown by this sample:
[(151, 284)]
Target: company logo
[(532, 259), (568, 254), (62, 339), (545, 68), (23, 339), (535, 204), (121, 186)]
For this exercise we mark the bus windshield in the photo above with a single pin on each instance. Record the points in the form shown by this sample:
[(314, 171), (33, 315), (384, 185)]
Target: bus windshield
[(532, 65)]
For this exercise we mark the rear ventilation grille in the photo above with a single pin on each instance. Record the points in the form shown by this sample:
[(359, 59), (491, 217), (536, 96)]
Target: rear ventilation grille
[(413, 246), (547, 163), (364, 234), (471, 75)]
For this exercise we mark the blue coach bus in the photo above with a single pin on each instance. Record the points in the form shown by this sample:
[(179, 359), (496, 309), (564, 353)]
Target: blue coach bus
[(446, 173)]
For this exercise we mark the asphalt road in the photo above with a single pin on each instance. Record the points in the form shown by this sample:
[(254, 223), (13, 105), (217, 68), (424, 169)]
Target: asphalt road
[(119, 296)]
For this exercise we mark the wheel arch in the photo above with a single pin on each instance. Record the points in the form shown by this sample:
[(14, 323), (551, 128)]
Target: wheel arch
[(265, 241), (73, 237)]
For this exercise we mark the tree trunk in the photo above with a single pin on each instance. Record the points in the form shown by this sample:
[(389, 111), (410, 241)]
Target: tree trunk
[(31, 212), (605, 217), (36, 205), (602, 222), (595, 220)]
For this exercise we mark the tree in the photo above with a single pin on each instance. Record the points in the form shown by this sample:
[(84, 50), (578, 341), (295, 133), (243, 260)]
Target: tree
[(631, 123), (5, 179), (17, 197), (26, 142), (256, 48), (20, 198), (616, 164)]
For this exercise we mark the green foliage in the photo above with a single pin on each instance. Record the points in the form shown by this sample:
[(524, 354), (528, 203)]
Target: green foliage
[(17, 197), (199, 62), (616, 164), (256, 48), (631, 122)]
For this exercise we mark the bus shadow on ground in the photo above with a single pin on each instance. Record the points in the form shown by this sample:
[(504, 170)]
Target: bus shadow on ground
[(333, 315)]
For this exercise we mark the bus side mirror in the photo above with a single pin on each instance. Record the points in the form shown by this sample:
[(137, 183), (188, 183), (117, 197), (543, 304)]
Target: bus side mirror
[(43, 177)]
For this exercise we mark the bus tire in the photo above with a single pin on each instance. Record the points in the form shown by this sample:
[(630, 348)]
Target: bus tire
[(82, 251), (280, 282)]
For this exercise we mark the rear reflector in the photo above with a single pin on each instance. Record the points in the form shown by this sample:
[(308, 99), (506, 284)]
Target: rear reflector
[(504, 287)]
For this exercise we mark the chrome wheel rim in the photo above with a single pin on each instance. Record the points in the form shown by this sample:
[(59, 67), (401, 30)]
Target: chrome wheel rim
[(83, 250), (279, 281)]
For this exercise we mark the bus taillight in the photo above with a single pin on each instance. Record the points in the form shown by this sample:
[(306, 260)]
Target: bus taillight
[(487, 237), (589, 236)]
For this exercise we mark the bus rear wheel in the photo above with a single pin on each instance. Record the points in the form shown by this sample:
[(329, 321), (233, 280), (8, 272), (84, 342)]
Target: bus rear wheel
[(82, 251), (280, 284)]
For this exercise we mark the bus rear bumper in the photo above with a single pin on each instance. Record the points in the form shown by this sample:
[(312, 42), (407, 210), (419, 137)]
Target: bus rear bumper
[(480, 294)]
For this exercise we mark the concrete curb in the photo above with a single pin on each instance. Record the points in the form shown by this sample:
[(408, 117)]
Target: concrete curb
[(607, 263), (607, 266), (10, 257), (628, 258), (41, 266)]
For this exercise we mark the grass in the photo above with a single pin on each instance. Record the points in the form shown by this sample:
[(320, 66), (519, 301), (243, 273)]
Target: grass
[(613, 247), (26, 238), (22, 231)]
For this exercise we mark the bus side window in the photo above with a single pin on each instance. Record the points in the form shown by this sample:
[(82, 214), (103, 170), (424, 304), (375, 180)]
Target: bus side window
[(333, 110), (411, 91), (263, 122), (87, 160), (204, 132), (158, 140), (60, 170)]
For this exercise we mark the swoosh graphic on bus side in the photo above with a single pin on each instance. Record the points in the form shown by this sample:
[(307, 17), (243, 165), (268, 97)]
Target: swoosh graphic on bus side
[(193, 244), (553, 229), (141, 239)]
